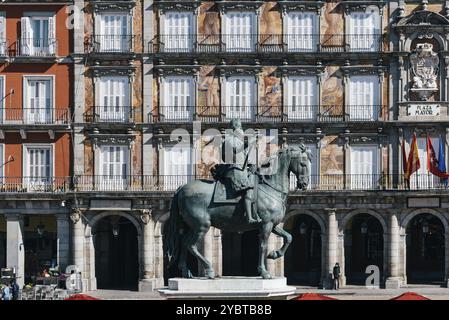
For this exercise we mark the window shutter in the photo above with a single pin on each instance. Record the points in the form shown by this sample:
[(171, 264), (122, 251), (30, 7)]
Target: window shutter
[(2, 35), (52, 35), (25, 41)]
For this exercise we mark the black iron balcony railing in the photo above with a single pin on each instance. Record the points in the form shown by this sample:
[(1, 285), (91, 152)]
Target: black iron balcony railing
[(142, 183), (35, 184), (326, 182), (297, 113), (112, 43), (37, 47), (111, 114), (265, 43), (35, 116)]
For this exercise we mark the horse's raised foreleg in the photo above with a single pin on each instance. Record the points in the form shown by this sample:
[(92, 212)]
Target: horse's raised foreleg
[(192, 246), (277, 230), (264, 233)]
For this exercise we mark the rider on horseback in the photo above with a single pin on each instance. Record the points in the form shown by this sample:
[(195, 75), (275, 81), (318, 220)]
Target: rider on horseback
[(238, 174)]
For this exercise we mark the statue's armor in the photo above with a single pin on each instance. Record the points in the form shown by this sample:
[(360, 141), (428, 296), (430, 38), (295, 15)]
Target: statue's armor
[(236, 174)]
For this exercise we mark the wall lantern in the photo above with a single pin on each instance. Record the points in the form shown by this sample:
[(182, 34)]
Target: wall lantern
[(425, 227), (115, 230), (40, 229), (364, 228)]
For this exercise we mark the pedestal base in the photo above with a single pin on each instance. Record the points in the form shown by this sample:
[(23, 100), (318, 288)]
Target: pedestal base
[(227, 288), (393, 283)]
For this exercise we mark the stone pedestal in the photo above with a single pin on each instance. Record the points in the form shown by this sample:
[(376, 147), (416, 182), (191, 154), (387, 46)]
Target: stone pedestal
[(228, 288)]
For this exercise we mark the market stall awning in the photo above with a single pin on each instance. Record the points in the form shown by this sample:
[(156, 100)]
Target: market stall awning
[(410, 296), (81, 297), (313, 296)]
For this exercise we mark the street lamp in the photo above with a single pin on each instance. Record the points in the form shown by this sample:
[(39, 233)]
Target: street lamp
[(302, 228), (364, 228)]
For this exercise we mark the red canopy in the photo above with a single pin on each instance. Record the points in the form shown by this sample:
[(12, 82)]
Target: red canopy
[(410, 296), (312, 296), (81, 297)]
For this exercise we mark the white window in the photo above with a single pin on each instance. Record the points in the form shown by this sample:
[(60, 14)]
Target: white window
[(423, 179), (364, 96), (302, 98), (240, 31), (114, 167), (178, 98), (3, 44), (2, 161), (114, 105), (39, 167), (240, 98), (178, 32), (364, 31), (38, 36), (114, 33), (302, 31), (314, 172), (39, 99), (176, 166), (364, 167)]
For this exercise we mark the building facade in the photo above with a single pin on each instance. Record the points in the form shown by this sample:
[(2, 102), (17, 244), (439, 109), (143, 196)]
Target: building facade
[(352, 80)]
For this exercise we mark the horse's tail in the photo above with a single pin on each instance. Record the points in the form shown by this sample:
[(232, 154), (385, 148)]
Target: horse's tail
[(171, 235)]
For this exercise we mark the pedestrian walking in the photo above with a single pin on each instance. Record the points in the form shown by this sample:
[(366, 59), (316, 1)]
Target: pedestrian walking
[(6, 292), (15, 290), (336, 275)]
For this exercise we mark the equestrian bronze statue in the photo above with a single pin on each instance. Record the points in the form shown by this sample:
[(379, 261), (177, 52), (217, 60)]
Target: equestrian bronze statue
[(240, 199)]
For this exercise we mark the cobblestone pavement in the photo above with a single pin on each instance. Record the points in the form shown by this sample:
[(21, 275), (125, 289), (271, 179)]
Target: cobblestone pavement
[(347, 293)]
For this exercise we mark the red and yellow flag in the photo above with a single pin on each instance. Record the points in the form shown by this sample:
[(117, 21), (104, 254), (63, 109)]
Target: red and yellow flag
[(413, 159)]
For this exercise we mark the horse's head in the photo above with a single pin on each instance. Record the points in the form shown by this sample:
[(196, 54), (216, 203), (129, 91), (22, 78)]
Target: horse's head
[(300, 165)]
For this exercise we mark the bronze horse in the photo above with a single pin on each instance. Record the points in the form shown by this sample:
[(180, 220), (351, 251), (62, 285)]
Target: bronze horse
[(193, 212)]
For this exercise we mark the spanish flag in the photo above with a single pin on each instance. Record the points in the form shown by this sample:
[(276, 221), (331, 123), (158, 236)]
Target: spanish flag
[(413, 159)]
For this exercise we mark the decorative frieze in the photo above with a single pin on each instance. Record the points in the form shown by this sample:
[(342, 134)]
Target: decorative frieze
[(291, 5), (225, 5), (101, 71), (164, 6), (99, 6), (117, 139), (298, 70)]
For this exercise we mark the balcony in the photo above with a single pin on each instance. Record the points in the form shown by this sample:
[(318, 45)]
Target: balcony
[(266, 43), (110, 114), (298, 113), (3, 49), (36, 48), (112, 44), (331, 182), (34, 116), (34, 184)]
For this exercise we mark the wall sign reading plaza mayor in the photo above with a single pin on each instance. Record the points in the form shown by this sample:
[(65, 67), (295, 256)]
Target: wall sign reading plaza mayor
[(280, 143), (424, 110)]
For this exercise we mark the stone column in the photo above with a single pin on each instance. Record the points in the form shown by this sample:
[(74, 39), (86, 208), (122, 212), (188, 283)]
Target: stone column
[(63, 242), (15, 249), (148, 282), (332, 243), (78, 243), (393, 281)]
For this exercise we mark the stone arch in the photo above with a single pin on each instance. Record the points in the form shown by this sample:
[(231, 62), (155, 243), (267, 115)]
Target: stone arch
[(414, 36), (97, 217), (405, 221), (92, 221), (343, 223), (314, 215), (414, 213)]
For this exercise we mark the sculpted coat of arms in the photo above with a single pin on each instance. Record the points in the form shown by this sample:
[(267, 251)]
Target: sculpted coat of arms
[(425, 67)]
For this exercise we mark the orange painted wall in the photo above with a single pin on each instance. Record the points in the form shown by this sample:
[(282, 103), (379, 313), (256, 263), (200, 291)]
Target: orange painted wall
[(13, 146), (14, 13)]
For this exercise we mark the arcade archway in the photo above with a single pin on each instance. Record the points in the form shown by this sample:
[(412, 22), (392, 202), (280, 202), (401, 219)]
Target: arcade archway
[(303, 258), (364, 246), (425, 249), (240, 253), (116, 253)]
